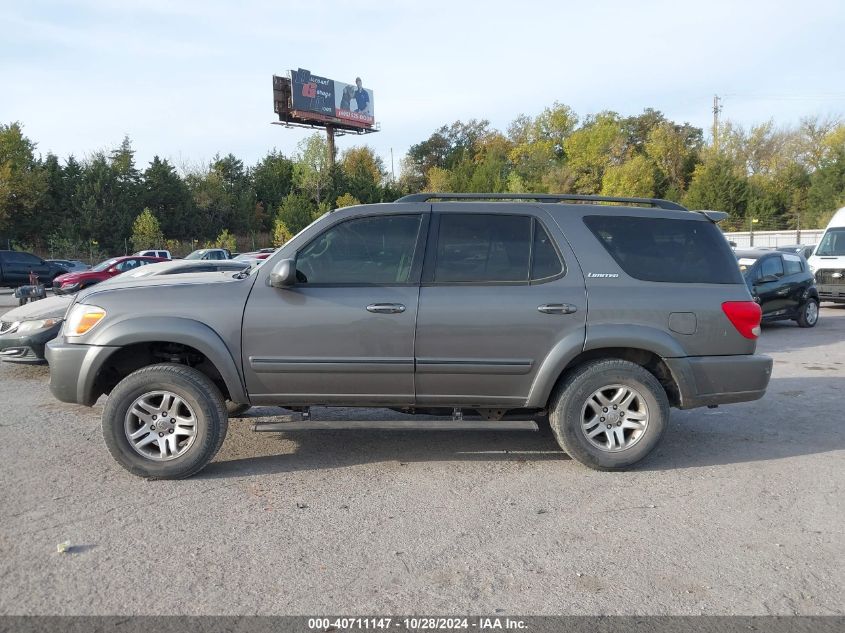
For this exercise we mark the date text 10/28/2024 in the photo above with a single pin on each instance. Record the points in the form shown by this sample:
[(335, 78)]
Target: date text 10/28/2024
[(415, 623)]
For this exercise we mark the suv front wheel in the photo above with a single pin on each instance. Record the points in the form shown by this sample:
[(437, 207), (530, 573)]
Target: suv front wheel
[(164, 421), (609, 414)]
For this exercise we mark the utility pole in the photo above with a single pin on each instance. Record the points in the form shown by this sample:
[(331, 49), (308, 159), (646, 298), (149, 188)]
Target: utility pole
[(717, 109), (392, 172), (330, 139)]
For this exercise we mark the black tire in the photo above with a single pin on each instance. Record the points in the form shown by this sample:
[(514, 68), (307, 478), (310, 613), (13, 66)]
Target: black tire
[(197, 391), (569, 401), (236, 409), (809, 313)]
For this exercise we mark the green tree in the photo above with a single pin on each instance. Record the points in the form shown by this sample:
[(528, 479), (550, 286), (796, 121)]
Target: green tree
[(297, 211), (22, 184), (226, 240), (281, 232), (827, 190), (363, 173), (168, 197), (347, 200), (311, 171), (97, 195), (146, 231), (633, 178), (591, 149), (272, 179), (438, 180), (639, 128), (674, 150), (126, 194), (537, 145), (716, 185)]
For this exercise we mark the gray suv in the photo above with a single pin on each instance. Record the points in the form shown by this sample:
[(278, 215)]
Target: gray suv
[(599, 312)]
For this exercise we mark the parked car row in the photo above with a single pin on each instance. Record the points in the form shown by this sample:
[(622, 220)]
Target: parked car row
[(25, 331), (72, 275), (74, 282)]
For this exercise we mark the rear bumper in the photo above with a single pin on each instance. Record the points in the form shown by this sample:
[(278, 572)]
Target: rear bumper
[(712, 380)]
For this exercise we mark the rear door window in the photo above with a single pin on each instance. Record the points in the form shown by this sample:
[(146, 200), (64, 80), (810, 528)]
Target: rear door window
[(792, 264), (666, 249), (481, 248), (772, 266)]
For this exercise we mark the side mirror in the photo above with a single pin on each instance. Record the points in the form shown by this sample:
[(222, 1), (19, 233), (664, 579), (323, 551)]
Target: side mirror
[(283, 274)]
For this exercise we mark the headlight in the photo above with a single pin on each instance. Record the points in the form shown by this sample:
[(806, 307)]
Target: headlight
[(38, 324), (82, 318)]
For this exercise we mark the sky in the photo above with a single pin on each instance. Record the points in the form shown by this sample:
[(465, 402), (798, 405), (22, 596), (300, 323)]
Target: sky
[(187, 79)]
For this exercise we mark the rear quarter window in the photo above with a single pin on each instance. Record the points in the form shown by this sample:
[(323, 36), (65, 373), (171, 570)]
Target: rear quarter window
[(666, 249)]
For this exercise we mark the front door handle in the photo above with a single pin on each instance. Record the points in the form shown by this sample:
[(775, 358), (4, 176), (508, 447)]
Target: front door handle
[(386, 308), (557, 308)]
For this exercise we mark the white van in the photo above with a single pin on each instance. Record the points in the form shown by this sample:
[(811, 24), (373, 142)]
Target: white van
[(827, 262), (155, 253)]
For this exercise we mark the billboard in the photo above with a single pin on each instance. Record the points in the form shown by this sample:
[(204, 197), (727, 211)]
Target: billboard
[(352, 104)]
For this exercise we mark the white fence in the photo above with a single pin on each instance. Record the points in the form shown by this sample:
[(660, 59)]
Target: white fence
[(746, 239)]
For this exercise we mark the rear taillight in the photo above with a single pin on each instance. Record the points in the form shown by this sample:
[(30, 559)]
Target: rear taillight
[(745, 316)]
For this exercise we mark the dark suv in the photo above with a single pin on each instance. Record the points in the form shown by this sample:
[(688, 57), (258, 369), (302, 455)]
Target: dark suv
[(600, 312), (17, 266), (782, 284)]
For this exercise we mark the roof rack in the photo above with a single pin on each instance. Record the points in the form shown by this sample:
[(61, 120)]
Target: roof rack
[(544, 197)]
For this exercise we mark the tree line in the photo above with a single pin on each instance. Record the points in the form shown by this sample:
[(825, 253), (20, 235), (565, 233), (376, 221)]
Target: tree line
[(106, 204), (764, 176)]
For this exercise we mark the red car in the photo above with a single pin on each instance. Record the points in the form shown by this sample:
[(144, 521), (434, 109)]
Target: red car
[(74, 282)]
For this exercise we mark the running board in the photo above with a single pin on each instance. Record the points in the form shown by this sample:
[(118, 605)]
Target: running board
[(397, 425)]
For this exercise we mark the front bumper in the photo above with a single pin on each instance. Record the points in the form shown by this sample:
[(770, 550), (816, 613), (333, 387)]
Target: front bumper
[(67, 290), (705, 381), (74, 369), (831, 292), (28, 347)]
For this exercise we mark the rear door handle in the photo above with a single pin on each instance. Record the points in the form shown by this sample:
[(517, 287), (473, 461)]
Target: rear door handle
[(557, 308), (386, 308)]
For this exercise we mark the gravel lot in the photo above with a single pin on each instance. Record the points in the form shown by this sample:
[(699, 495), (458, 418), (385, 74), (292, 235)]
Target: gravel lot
[(740, 511)]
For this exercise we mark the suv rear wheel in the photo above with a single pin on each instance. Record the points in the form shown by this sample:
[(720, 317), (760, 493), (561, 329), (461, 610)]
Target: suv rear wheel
[(609, 414), (164, 421), (809, 314)]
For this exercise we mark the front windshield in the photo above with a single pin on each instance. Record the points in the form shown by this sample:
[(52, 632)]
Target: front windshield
[(833, 243), (197, 254), (104, 265)]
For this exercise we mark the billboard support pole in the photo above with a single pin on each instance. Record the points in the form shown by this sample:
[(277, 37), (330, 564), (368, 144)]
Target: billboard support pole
[(330, 139)]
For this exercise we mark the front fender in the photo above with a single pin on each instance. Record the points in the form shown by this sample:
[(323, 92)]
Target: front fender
[(170, 330)]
